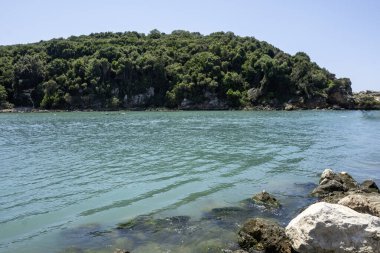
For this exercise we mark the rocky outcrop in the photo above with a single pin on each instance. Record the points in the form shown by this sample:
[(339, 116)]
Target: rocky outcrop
[(139, 99), (263, 235), (367, 100), (352, 225), (363, 203), (264, 198), (341, 94), (347, 220), (327, 228), (333, 185)]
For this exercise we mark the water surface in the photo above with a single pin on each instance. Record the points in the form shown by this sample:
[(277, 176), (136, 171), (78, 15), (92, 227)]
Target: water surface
[(67, 177)]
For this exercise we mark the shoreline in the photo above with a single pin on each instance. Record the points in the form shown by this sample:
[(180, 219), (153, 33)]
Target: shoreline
[(165, 109)]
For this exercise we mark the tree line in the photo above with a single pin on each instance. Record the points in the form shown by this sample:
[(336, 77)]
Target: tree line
[(131, 69)]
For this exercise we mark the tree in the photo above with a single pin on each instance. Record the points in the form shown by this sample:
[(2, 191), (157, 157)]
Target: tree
[(3, 95)]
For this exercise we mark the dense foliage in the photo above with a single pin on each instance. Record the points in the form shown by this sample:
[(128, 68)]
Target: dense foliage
[(114, 70)]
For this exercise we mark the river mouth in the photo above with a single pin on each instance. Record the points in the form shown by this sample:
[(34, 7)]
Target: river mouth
[(214, 231)]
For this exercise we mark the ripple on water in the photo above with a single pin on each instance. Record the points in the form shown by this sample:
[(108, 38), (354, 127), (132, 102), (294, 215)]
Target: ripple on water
[(69, 170)]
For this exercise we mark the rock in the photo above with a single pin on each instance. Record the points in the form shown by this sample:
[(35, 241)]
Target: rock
[(264, 198), (332, 183), (327, 187), (139, 99), (289, 107), (369, 186), (254, 94), (263, 235), (367, 100), (149, 223), (341, 94), (327, 174), (327, 228), (333, 197), (349, 183), (120, 251), (363, 203), (315, 101), (186, 103)]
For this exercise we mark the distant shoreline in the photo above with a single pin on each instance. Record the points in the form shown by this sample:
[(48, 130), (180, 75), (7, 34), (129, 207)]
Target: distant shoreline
[(164, 109)]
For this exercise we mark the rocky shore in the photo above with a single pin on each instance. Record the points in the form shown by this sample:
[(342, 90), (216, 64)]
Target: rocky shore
[(338, 99), (346, 218)]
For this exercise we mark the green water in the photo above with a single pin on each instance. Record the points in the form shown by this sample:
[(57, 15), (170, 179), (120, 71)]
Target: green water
[(68, 179)]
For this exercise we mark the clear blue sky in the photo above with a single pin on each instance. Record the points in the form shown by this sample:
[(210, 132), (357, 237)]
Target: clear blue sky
[(340, 35)]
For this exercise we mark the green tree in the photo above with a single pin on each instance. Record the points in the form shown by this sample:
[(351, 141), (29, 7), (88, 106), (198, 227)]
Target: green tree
[(3, 95)]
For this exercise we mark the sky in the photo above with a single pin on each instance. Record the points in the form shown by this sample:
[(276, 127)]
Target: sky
[(341, 35)]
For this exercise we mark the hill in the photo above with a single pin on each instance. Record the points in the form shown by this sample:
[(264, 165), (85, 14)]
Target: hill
[(182, 70)]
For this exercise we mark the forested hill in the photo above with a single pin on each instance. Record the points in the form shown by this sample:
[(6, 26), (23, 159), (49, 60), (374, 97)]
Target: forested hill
[(178, 70)]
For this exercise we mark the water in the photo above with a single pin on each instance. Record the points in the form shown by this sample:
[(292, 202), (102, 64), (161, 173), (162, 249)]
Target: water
[(68, 179)]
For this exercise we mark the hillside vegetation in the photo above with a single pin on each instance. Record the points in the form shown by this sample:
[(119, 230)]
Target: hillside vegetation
[(178, 70)]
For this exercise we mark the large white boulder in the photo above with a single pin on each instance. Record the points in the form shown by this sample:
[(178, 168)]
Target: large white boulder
[(327, 228)]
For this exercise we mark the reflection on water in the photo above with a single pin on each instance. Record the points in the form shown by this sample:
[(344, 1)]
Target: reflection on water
[(375, 115), (61, 172)]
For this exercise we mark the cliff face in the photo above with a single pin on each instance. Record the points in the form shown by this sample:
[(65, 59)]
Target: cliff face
[(179, 70)]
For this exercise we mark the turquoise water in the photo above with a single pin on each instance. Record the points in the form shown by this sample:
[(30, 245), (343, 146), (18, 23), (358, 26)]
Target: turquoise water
[(68, 179)]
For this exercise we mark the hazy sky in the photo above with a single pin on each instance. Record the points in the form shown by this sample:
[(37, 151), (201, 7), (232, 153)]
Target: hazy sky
[(340, 35)]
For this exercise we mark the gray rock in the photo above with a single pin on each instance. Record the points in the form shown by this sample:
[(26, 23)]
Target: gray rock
[(332, 183), (327, 228), (369, 186), (139, 99), (328, 187), (254, 94), (349, 183), (327, 174), (363, 203)]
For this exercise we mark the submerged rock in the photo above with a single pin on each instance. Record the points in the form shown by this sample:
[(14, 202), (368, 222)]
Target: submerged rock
[(86, 236), (363, 203), (263, 235), (327, 228), (148, 223), (224, 213), (264, 198)]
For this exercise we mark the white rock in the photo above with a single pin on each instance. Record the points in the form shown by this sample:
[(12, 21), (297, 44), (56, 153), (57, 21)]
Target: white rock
[(327, 173), (326, 228)]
